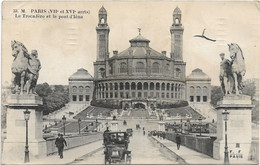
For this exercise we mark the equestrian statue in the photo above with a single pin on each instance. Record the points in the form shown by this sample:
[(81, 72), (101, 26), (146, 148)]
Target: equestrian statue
[(232, 71), (25, 69)]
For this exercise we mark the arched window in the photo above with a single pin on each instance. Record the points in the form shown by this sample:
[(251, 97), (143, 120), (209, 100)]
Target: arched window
[(145, 86), (192, 90), (116, 86), (177, 72), (151, 86), (155, 67), (177, 21), (121, 86), (139, 86), (168, 86), (163, 86), (102, 20), (157, 86), (111, 86), (74, 89), (123, 67), (140, 67), (198, 90), (102, 72), (172, 87), (205, 90), (133, 86), (127, 86), (106, 86), (87, 88)]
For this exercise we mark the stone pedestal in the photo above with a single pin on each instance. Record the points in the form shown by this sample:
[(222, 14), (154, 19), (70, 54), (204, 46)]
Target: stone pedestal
[(114, 125), (238, 128), (14, 144), (161, 125)]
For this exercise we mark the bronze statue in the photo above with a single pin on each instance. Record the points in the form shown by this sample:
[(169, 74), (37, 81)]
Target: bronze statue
[(25, 69), (225, 76), (232, 71)]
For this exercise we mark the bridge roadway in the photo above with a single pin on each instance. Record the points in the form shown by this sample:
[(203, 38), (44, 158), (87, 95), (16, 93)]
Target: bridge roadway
[(144, 149)]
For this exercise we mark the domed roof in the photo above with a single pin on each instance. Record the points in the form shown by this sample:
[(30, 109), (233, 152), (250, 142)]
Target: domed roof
[(177, 10), (198, 74), (102, 10), (139, 38), (81, 74)]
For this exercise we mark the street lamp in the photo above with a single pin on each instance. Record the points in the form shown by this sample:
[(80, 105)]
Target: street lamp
[(26, 152), (64, 122), (181, 125), (96, 124), (79, 124), (225, 116), (200, 122)]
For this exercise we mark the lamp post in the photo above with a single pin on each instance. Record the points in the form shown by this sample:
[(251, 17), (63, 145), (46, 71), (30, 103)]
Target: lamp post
[(26, 152), (79, 120), (64, 122), (96, 124), (225, 116), (200, 122), (181, 125)]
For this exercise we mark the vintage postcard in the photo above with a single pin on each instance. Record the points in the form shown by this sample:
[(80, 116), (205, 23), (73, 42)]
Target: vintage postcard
[(130, 82)]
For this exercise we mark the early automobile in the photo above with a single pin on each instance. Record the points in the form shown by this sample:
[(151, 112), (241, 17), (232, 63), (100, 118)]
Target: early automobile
[(116, 147)]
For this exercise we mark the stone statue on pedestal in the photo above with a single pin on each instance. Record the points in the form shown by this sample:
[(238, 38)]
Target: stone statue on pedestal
[(25, 69), (232, 71)]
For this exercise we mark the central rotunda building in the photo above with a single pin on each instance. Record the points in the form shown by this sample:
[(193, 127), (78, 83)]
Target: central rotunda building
[(139, 76)]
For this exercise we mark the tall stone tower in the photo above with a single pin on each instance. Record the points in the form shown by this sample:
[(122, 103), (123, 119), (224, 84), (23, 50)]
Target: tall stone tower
[(102, 44), (176, 35)]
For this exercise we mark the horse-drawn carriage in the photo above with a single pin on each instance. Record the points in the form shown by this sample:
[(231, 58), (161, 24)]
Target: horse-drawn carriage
[(116, 147)]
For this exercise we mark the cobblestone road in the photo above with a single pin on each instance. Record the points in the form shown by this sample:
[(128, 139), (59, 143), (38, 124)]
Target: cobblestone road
[(144, 149)]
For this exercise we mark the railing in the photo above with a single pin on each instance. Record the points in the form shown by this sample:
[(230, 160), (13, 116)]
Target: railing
[(73, 141), (200, 144)]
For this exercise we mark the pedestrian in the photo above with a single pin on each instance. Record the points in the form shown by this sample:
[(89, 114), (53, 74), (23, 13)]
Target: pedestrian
[(178, 141), (59, 142), (144, 132)]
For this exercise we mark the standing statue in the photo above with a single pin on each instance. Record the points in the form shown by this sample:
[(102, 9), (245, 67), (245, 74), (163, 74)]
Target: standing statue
[(25, 69), (232, 71), (225, 75), (33, 72)]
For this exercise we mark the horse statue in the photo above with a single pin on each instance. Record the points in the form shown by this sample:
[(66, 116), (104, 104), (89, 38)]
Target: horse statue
[(23, 79), (238, 67)]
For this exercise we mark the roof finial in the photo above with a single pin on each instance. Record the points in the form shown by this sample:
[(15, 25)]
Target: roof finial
[(139, 29)]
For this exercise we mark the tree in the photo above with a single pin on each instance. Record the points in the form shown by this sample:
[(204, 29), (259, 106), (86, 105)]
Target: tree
[(216, 95), (43, 90), (249, 89), (52, 99)]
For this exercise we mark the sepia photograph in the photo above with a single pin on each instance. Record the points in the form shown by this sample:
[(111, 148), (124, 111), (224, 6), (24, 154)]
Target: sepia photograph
[(130, 82)]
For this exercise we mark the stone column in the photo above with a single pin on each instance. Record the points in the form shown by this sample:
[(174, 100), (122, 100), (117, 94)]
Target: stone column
[(239, 125), (14, 144)]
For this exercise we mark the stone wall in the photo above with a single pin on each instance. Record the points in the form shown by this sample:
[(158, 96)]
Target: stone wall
[(73, 141), (200, 144)]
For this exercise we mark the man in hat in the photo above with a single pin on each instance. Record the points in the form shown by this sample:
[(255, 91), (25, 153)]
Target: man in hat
[(59, 142)]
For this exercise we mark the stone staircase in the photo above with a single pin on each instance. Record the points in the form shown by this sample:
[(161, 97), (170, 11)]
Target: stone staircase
[(206, 110)]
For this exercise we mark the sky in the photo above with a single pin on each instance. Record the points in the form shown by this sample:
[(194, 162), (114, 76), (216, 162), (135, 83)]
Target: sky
[(65, 45)]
